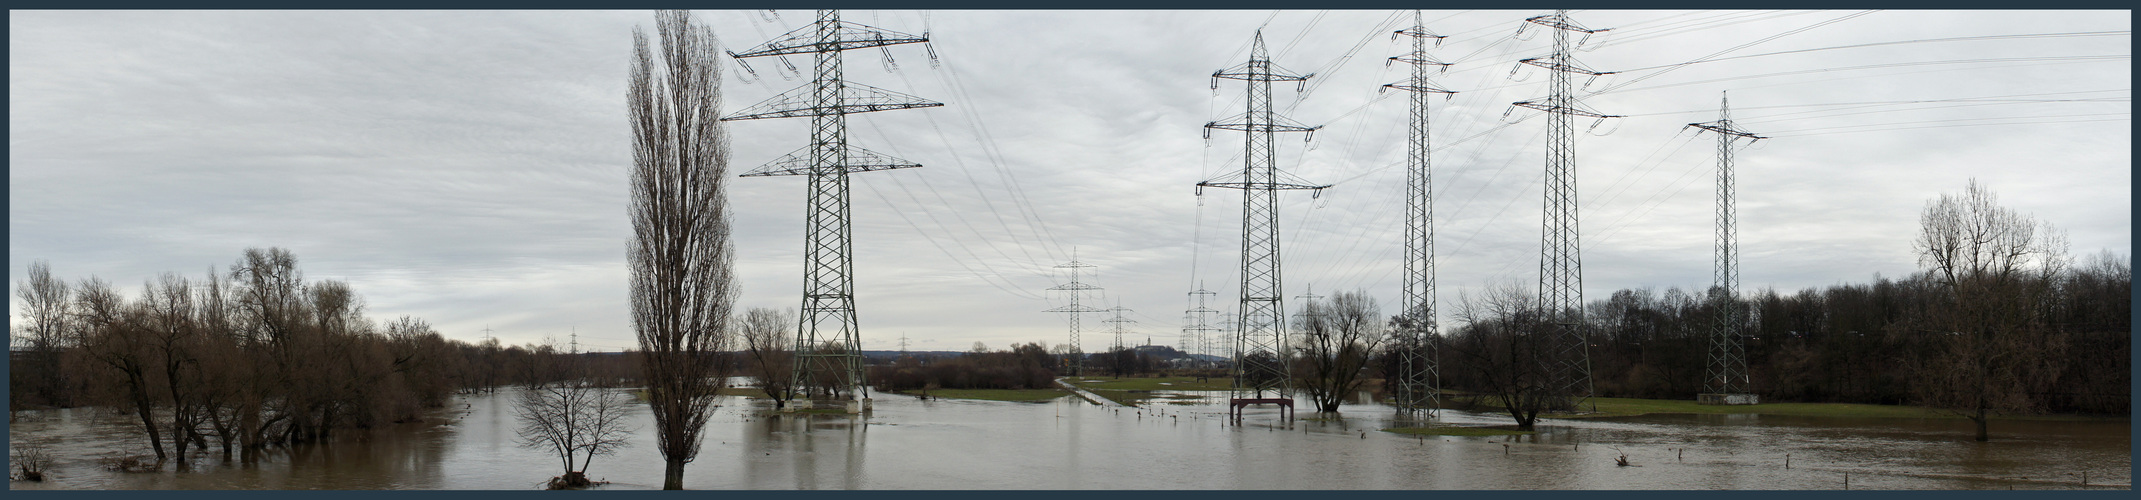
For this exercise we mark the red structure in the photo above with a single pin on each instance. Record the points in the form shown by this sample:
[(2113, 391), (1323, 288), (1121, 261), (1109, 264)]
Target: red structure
[(1235, 405)]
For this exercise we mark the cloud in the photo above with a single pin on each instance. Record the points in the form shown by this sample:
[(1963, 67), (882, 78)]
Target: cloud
[(469, 167)]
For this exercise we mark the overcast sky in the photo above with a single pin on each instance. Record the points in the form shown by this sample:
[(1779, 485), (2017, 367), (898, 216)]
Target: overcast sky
[(469, 168)]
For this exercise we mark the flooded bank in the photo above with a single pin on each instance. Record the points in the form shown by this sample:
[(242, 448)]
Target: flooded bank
[(1178, 443)]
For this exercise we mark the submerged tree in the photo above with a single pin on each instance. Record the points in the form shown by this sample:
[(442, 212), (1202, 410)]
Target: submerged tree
[(47, 305), (1502, 345), (680, 256), (1990, 343), (768, 342), (575, 419), (1338, 337)]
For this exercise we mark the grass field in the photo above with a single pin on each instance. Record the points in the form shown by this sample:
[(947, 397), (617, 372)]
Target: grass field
[(1457, 431), (1150, 383), (1622, 407), (995, 394)]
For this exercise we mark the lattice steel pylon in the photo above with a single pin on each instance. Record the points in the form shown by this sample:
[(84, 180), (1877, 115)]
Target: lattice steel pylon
[(1074, 361), (1416, 386), (1196, 335), (828, 312), (1560, 255), (1260, 357), (1116, 325), (1726, 380)]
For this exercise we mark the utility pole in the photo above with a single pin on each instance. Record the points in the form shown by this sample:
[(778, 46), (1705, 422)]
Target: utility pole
[(1260, 359), (1560, 257), (1194, 336), (1075, 359), (828, 312), (1417, 385), (486, 334), (1726, 381)]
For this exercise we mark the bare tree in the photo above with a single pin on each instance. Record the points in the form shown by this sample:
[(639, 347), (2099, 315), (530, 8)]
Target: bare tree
[(766, 334), (1503, 348), (682, 287), (111, 333), (1991, 343), (1337, 339), (169, 312), (575, 419), (47, 304), (268, 308)]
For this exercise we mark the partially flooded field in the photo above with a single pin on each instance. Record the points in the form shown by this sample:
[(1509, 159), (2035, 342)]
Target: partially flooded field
[(1176, 440)]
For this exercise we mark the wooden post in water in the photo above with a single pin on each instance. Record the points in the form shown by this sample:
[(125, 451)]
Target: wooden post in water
[(1787, 461)]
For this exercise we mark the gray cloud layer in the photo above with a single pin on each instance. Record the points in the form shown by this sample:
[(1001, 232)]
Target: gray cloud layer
[(469, 167)]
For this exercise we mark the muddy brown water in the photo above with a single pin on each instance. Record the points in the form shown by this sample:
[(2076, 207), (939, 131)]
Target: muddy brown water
[(1179, 443)]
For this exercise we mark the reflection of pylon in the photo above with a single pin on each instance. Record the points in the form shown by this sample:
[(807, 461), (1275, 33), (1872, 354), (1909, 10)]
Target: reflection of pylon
[(828, 312), (1260, 357), (1415, 388), (1076, 357), (1727, 374), (1560, 254)]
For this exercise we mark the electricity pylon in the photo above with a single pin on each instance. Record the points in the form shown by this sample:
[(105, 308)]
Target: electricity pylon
[(1726, 381), (1076, 358), (1260, 358), (1560, 257), (1417, 388), (1195, 335), (828, 312), (1117, 323)]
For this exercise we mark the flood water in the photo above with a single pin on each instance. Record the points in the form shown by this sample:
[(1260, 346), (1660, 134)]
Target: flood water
[(1184, 443)]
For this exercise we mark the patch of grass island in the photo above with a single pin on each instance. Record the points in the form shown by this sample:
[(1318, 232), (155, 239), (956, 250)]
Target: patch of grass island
[(1499, 430), (1023, 395), (1628, 407)]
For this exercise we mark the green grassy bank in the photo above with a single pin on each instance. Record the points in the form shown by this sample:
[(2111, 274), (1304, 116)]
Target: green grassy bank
[(993, 394), (1458, 431)]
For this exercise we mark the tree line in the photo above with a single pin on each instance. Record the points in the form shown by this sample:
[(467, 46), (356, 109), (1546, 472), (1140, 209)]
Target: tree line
[(250, 357), (1999, 319)]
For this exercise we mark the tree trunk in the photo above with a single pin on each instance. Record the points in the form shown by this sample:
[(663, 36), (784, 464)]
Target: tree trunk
[(143, 406), (673, 476), (1980, 419)]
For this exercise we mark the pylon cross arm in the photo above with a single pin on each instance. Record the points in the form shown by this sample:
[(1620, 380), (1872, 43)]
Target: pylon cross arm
[(1261, 76), (1559, 21), (858, 160), (1417, 32), (1418, 87), (1565, 110), (1572, 67), (854, 98), (1724, 129), (851, 36)]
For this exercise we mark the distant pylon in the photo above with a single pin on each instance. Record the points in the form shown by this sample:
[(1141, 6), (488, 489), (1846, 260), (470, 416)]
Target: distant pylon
[(1261, 361), (828, 312), (1196, 336), (1560, 254), (1726, 380), (1075, 359), (1417, 386), (1118, 321)]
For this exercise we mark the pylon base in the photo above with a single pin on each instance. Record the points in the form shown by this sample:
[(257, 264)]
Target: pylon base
[(1727, 399)]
